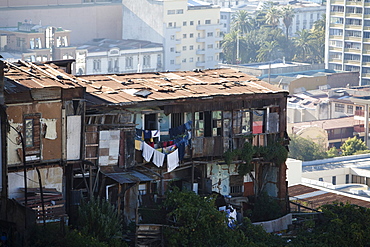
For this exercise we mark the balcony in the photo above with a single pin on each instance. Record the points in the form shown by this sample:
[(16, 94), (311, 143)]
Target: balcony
[(352, 62), (356, 27), (354, 15), (352, 50), (352, 38), (335, 48), (201, 40), (201, 51), (336, 25), (201, 64)]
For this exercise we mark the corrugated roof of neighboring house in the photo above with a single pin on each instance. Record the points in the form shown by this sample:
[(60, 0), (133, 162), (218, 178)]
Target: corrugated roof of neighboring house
[(317, 196), (331, 123)]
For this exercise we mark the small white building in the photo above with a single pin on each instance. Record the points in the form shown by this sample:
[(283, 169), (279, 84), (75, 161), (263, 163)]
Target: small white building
[(106, 56)]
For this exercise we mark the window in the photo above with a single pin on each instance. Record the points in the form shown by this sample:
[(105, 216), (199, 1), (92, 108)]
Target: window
[(96, 65), (210, 34), (339, 107), (146, 61), (184, 60), (208, 123), (210, 46), (236, 183), (184, 23), (18, 42), (191, 60), (184, 36), (241, 122), (170, 24), (172, 61), (184, 48), (180, 11), (172, 49), (32, 134), (258, 118), (171, 12), (177, 119), (129, 62), (350, 109), (191, 35), (150, 121), (110, 66), (116, 65), (347, 178), (191, 23), (191, 47), (358, 179), (334, 180), (321, 179), (172, 37), (208, 21)]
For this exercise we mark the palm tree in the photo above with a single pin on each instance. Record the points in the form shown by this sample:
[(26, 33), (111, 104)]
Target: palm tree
[(268, 51), (229, 44), (302, 43), (273, 16), (240, 21), (287, 12)]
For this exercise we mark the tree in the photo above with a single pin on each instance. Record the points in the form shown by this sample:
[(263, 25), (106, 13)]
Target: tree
[(229, 45), (195, 221), (287, 13), (303, 46), (273, 16), (341, 225), (352, 145), (99, 219), (268, 51), (240, 22), (305, 149)]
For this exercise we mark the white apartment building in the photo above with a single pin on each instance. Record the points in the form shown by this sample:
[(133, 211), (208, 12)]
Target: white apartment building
[(190, 31), (347, 45), (107, 56), (305, 15)]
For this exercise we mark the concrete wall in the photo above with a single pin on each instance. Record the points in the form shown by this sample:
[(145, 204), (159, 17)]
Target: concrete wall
[(294, 171), (86, 21)]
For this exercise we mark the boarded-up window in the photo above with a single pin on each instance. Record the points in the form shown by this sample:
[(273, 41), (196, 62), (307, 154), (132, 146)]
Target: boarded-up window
[(258, 121), (241, 122), (273, 120), (32, 134), (236, 185)]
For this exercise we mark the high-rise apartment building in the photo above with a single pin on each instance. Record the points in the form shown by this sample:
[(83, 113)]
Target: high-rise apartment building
[(189, 30), (347, 45)]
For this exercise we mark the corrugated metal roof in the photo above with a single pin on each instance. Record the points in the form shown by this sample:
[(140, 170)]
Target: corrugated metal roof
[(124, 88), (127, 177), (318, 197)]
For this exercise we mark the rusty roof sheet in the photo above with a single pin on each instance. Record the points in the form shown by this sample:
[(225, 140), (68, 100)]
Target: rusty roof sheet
[(327, 197), (129, 88)]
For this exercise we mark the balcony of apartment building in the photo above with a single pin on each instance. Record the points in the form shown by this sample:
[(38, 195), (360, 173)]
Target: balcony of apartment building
[(337, 2), (201, 39), (352, 38), (354, 3), (200, 63), (209, 27), (337, 13), (355, 15), (337, 25), (335, 48), (201, 51)]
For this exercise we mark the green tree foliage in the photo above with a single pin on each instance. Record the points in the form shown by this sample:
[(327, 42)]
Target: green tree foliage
[(195, 221), (263, 37), (352, 145), (99, 219), (305, 149), (332, 152), (341, 225)]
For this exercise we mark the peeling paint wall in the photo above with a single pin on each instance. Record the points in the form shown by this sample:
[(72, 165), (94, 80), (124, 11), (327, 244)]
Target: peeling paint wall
[(220, 176), (51, 124), (51, 177)]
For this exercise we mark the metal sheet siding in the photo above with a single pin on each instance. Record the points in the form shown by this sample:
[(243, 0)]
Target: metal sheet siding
[(73, 137)]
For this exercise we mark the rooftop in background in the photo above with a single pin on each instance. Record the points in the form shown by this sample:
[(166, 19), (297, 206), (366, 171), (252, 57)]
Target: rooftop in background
[(29, 27), (327, 124), (317, 196), (97, 45)]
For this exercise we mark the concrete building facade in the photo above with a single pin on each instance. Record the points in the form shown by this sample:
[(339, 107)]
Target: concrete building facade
[(189, 30), (347, 45)]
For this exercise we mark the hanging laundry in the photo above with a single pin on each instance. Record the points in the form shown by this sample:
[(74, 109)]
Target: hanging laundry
[(188, 125), (147, 152), (158, 158), (172, 160), (138, 145), (147, 134), (156, 133), (139, 133), (181, 148)]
